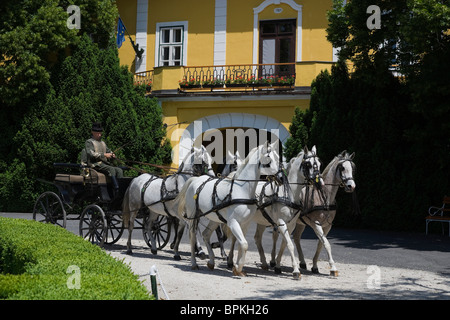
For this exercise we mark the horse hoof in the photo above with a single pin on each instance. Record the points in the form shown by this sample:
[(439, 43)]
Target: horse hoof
[(215, 245), (277, 270), (334, 273), (154, 251), (210, 265), (129, 252), (303, 266), (315, 270), (272, 264), (202, 256), (195, 267), (239, 273), (296, 275), (177, 257), (265, 267), (230, 264)]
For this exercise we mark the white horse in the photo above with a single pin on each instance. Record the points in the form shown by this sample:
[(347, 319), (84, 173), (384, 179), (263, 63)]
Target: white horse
[(286, 204), (230, 167), (158, 195), (283, 212), (230, 200), (320, 208)]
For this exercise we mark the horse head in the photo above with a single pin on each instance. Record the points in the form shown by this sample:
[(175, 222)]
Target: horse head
[(344, 171), (198, 162), (310, 167), (232, 163), (269, 159)]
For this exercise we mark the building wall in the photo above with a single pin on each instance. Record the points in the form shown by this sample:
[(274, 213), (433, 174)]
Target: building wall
[(200, 16), (214, 39)]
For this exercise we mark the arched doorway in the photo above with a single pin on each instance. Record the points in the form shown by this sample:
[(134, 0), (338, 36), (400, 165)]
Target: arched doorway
[(245, 129)]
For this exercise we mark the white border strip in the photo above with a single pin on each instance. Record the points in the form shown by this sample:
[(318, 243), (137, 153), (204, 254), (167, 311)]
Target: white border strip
[(141, 34), (220, 32)]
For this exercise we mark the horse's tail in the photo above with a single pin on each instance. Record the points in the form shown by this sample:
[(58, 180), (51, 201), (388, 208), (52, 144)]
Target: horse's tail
[(181, 198), (126, 208)]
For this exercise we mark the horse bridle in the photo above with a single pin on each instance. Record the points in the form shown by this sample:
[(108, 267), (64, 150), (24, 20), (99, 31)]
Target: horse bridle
[(306, 165)]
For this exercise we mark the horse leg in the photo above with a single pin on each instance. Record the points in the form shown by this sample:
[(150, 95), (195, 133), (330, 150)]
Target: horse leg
[(287, 241), (179, 235), (198, 247), (323, 241), (258, 241), (298, 231), (176, 227), (333, 269), (193, 240), (222, 237), (153, 216), (230, 258), (273, 261), (242, 250), (206, 238), (130, 231)]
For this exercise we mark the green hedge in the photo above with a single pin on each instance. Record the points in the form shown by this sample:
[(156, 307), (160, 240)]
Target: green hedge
[(35, 260)]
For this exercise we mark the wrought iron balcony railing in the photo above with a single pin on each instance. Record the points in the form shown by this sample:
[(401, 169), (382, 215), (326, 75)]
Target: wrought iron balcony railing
[(240, 76)]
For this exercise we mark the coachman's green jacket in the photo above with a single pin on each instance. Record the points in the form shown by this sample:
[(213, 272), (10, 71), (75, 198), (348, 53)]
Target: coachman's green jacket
[(95, 152)]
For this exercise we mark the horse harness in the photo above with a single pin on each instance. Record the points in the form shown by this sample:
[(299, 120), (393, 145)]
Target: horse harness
[(268, 200), (325, 206), (166, 195), (219, 204)]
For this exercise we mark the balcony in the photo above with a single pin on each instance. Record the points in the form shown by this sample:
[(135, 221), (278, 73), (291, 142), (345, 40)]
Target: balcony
[(227, 79)]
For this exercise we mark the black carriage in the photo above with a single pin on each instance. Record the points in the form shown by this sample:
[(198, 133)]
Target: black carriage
[(88, 196)]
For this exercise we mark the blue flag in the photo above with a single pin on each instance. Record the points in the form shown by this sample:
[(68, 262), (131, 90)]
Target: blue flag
[(120, 33)]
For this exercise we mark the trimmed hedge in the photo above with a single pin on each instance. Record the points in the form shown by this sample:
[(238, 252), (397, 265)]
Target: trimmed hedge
[(35, 259)]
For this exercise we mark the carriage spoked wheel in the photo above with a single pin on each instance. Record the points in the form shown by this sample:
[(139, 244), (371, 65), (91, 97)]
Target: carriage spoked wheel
[(114, 228), (93, 225), (49, 208), (160, 230)]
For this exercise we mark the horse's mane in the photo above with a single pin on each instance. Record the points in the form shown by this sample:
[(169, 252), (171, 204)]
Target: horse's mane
[(291, 162), (343, 156), (204, 154), (246, 161)]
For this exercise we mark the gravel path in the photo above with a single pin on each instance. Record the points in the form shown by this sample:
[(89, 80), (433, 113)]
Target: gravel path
[(355, 281)]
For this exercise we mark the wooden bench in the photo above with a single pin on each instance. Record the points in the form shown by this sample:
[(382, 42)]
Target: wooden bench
[(437, 214)]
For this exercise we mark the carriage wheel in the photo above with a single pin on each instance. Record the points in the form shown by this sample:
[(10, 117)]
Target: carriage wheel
[(49, 208), (160, 230), (114, 228), (93, 225)]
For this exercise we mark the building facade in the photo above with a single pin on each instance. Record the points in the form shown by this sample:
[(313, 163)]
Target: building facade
[(218, 65)]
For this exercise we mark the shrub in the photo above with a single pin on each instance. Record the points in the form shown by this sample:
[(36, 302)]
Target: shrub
[(34, 262)]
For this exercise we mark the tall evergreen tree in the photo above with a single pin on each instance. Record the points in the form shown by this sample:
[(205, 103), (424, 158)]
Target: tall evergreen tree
[(90, 86)]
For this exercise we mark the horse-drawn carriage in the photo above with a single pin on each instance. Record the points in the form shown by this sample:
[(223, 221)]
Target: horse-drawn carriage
[(88, 196)]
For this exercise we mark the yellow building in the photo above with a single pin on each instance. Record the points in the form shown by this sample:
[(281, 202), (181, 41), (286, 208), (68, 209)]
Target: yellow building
[(226, 64)]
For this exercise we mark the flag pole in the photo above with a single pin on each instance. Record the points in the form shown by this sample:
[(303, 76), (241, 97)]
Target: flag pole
[(138, 51)]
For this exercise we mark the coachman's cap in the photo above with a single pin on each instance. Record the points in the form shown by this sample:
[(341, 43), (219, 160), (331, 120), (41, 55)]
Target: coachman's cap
[(97, 127)]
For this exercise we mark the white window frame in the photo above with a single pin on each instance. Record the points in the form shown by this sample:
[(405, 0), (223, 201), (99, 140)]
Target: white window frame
[(158, 46)]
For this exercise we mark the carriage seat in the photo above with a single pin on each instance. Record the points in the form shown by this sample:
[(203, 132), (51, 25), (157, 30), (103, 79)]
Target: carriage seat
[(69, 178), (95, 177)]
